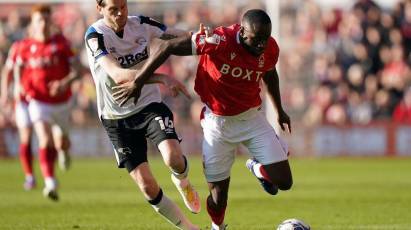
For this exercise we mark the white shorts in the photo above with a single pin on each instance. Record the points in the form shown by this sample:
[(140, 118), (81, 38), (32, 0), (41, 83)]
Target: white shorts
[(58, 114), (222, 135), (21, 111)]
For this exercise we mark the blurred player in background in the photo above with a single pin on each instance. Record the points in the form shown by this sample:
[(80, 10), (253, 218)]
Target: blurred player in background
[(12, 72), (22, 118), (233, 62), (117, 45), (43, 66)]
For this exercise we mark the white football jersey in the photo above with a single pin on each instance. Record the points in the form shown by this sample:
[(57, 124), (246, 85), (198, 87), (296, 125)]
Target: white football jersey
[(131, 50)]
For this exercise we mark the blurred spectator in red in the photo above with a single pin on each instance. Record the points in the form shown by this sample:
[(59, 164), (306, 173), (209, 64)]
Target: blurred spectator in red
[(402, 112)]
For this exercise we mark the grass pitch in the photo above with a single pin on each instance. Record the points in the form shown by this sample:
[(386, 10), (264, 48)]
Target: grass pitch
[(331, 193)]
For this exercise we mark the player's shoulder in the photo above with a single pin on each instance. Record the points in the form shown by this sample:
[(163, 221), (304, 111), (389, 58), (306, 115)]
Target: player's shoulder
[(227, 31), (59, 37), (226, 34), (24, 43), (95, 28), (146, 21), (272, 43), (15, 45)]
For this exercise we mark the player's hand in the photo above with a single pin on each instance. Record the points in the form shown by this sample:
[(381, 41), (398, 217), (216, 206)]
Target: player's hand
[(127, 90), (284, 119), (3, 99), (205, 30), (57, 87), (176, 87)]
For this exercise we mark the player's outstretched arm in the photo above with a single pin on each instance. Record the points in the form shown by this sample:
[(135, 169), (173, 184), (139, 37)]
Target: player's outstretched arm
[(60, 86), (114, 70), (272, 81), (181, 46), (6, 77)]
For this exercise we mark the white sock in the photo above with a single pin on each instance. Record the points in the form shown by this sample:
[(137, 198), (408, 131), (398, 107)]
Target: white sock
[(50, 183), (29, 177), (184, 174), (172, 213), (218, 227)]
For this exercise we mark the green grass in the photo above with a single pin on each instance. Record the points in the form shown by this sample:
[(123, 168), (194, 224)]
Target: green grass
[(331, 193)]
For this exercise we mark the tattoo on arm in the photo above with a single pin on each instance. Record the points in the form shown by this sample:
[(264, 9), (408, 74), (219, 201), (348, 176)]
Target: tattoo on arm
[(166, 36)]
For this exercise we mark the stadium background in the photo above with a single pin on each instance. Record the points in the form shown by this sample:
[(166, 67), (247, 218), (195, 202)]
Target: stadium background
[(344, 71)]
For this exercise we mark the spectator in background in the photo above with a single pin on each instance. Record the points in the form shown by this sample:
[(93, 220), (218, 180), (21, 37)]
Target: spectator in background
[(402, 113)]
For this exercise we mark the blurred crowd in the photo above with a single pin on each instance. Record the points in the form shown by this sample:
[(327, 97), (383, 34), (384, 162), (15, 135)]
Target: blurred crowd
[(336, 66), (346, 66)]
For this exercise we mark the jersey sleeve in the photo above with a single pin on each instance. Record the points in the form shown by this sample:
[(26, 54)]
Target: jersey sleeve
[(155, 28), (12, 55), (208, 45), (274, 52), (95, 43), (67, 49)]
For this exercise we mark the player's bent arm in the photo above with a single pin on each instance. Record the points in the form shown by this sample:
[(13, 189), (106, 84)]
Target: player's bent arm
[(181, 46), (114, 70), (171, 33), (6, 77), (272, 83)]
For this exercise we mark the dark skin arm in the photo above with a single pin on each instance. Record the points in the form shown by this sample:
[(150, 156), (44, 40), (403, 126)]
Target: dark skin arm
[(180, 46), (272, 83)]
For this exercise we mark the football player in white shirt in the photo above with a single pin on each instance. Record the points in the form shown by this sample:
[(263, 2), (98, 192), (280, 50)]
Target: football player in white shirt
[(117, 46)]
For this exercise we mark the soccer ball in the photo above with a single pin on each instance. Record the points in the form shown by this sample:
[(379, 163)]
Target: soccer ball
[(293, 224)]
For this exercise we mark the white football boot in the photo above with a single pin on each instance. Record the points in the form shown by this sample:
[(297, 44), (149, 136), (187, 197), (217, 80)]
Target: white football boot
[(189, 194)]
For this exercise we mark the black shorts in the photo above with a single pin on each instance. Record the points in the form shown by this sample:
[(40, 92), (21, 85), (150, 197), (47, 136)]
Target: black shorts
[(128, 135)]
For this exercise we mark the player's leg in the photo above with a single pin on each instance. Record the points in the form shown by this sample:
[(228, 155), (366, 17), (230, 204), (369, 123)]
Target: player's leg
[(269, 161), (130, 149), (162, 133), (217, 202), (25, 131), (218, 158), (40, 116), (62, 142), (60, 129), (177, 162), (158, 200)]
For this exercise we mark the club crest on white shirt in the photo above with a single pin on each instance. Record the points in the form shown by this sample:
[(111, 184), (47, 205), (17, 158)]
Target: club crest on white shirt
[(93, 43), (141, 41)]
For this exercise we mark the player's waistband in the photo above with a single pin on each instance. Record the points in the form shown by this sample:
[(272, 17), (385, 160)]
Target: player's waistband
[(246, 115)]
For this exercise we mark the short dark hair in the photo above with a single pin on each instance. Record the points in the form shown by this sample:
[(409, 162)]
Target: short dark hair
[(256, 16), (41, 8), (101, 3)]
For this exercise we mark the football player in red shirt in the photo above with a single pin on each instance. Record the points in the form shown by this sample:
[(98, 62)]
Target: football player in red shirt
[(232, 64), (23, 123), (12, 72), (44, 63)]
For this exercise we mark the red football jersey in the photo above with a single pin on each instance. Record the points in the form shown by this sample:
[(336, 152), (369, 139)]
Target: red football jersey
[(228, 76), (41, 63), (12, 55)]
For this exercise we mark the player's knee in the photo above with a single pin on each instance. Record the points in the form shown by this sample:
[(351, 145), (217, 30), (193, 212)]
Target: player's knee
[(173, 158), (219, 203), (285, 184), (66, 143), (148, 187), (46, 142)]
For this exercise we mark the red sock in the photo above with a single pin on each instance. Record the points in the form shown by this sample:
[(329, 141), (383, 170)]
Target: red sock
[(26, 158), (264, 173), (47, 157), (217, 216)]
